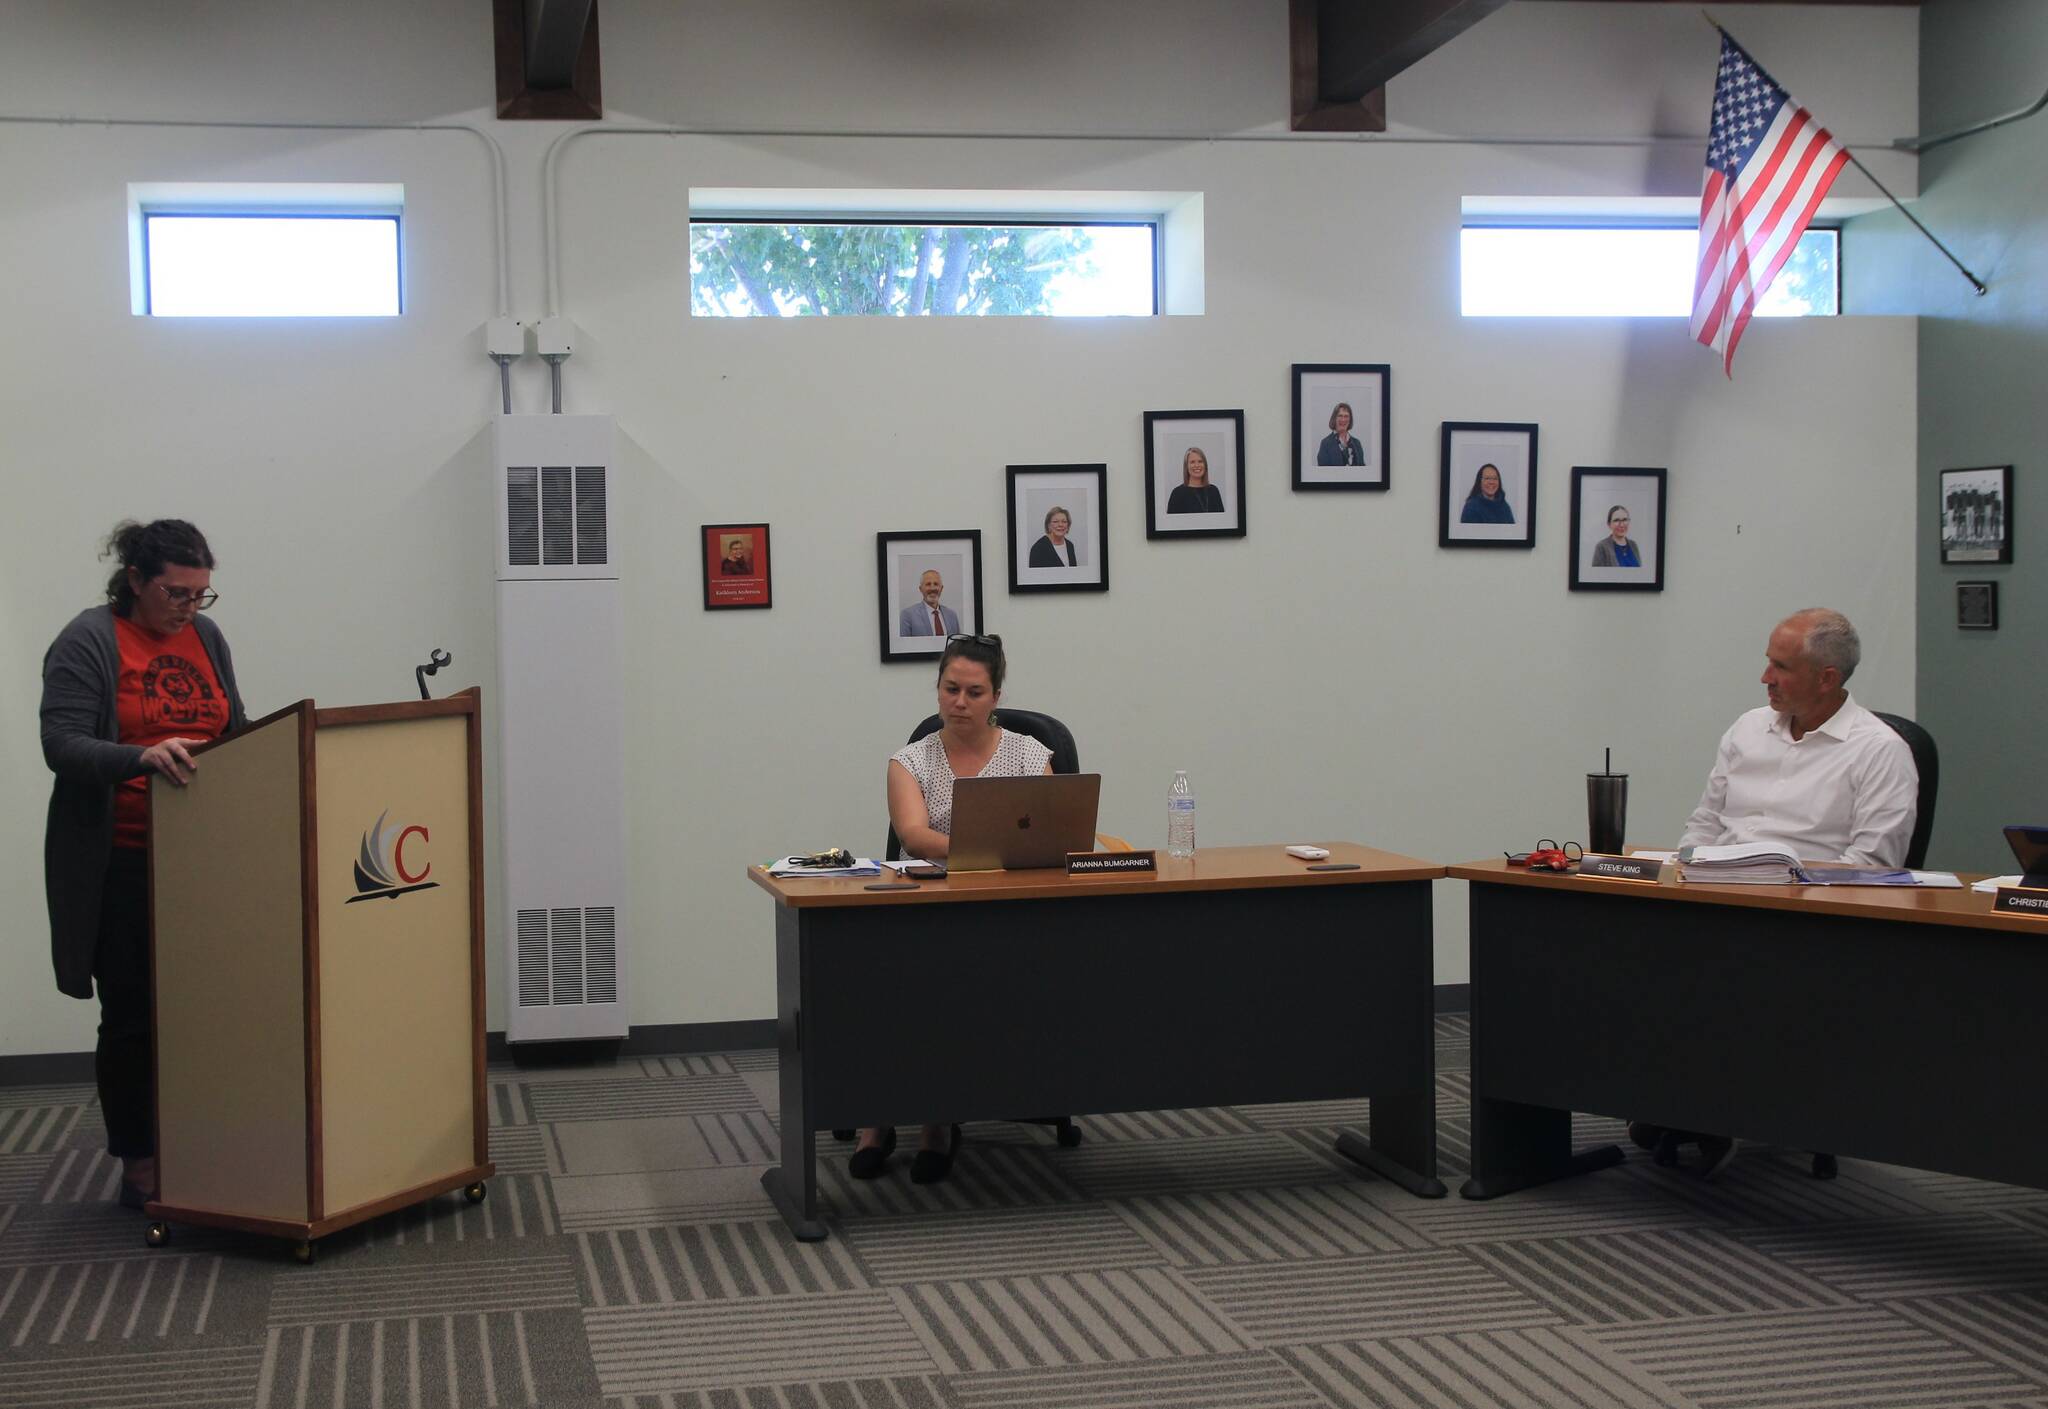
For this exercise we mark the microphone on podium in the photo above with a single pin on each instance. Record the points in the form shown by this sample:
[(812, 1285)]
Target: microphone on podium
[(436, 658)]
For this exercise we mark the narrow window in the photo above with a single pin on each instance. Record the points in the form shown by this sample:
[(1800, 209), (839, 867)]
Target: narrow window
[(1557, 271), (219, 263)]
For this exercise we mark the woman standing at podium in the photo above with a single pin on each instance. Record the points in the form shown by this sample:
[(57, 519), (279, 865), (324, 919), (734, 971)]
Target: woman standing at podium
[(970, 743), (128, 689)]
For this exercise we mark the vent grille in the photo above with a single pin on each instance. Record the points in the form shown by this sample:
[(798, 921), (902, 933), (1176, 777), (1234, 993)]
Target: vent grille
[(590, 514), (522, 516), (533, 958), (557, 529), (601, 953), (565, 938)]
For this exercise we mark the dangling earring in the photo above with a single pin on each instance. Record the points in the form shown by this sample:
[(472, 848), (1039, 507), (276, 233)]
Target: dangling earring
[(991, 719)]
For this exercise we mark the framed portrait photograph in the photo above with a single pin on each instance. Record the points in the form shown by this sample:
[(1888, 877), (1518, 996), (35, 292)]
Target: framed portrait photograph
[(1977, 606), (736, 566), (1976, 515), (1488, 493), (1059, 537), (1341, 425), (1194, 474), (1617, 529), (929, 588)]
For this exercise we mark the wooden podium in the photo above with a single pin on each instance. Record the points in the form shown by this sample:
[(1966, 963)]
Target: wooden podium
[(317, 971)]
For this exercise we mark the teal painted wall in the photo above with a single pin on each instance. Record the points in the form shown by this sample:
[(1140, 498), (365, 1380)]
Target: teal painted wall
[(1983, 391)]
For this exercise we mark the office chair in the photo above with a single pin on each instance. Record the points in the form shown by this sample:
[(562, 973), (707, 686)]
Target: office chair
[(1927, 759), (1066, 758)]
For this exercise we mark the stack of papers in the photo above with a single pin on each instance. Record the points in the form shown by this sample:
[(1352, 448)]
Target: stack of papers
[(862, 866), (1757, 864)]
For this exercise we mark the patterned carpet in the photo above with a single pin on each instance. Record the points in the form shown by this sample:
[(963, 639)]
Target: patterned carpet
[(627, 1258)]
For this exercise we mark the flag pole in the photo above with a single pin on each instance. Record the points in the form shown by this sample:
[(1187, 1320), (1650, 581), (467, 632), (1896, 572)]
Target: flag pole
[(1871, 177)]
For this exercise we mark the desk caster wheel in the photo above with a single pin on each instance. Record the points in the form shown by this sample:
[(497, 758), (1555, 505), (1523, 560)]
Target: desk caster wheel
[(475, 1192), (1070, 1136), (157, 1234), (304, 1253)]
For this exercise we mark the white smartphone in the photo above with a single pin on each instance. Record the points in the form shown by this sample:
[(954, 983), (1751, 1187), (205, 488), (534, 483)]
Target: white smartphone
[(1309, 853)]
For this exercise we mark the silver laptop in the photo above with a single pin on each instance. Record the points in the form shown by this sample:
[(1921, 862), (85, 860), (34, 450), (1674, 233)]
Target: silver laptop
[(1018, 824)]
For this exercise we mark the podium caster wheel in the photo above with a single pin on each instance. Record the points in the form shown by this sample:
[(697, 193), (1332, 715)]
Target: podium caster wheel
[(1070, 1136), (303, 1254), (475, 1192), (157, 1234)]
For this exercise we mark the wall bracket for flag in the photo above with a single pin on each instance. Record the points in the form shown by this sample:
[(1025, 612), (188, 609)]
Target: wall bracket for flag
[(1918, 146)]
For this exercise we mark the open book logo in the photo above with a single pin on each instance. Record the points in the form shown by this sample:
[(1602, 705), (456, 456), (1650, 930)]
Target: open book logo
[(385, 865)]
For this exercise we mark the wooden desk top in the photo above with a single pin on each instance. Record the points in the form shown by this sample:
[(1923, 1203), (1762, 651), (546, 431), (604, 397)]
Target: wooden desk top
[(1910, 904), (1211, 868)]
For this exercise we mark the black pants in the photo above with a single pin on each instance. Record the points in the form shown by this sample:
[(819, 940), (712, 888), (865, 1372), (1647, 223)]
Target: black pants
[(125, 1061)]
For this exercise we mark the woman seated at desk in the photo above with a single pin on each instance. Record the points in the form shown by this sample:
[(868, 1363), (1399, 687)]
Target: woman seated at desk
[(971, 743)]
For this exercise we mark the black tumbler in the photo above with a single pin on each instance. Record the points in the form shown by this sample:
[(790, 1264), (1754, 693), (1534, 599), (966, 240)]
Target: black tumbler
[(1606, 811)]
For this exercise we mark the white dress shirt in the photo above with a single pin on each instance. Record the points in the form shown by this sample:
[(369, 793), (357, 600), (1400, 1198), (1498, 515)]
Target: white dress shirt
[(1847, 791)]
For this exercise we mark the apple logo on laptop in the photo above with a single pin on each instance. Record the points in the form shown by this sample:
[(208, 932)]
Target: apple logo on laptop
[(1024, 823)]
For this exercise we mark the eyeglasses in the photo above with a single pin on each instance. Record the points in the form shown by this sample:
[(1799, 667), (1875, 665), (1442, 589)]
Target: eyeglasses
[(993, 643), (204, 598)]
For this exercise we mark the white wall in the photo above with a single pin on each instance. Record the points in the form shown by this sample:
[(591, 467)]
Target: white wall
[(1334, 674)]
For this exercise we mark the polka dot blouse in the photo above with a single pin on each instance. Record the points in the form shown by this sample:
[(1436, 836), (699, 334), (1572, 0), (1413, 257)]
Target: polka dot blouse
[(1016, 756)]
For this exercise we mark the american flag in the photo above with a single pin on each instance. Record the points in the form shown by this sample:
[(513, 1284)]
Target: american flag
[(1768, 165)]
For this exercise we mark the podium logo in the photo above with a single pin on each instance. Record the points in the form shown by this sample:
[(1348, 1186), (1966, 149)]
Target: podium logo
[(393, 861)]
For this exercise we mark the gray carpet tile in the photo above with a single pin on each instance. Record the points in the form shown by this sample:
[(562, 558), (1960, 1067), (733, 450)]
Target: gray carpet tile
[(1166, 1125), (870, 1392), (1885, 1261), (456, 1358), (1660, 1276), (1228, 1226), (2005, 1328), (30, 1129), (1353, 1114), (1071, 1318), (1226, 1162), (1868, 1357), (133, 1377), (939, 1247), (417, 1283), (1252, 1380), (1406, 1293), (711, 1262), (694, 1345), (1512, 1369), (984, 1176), (1217, 1258)]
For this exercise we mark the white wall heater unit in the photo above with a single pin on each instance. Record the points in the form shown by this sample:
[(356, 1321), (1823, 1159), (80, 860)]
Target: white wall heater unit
[(561, 729)]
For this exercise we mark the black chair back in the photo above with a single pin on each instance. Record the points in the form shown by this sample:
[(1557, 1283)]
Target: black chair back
[(1066, 757), (1927, 759)]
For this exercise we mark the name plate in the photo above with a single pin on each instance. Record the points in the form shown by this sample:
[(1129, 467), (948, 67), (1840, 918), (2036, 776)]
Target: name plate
[(2019, 900), (1621, 868), (1112, 863)]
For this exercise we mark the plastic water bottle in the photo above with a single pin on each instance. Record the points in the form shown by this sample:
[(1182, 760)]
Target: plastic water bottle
[(1180, 816)]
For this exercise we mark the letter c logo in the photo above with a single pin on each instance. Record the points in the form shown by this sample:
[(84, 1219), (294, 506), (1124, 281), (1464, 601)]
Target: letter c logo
[(398, 856)]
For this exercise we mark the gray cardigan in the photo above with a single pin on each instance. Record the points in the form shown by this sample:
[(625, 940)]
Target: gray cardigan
[(81, 743)]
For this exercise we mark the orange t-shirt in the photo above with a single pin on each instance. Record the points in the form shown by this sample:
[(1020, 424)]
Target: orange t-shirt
[(167, 690)]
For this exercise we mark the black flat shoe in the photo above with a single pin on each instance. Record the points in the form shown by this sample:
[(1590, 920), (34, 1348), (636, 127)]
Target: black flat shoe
[(133, 1195), (932, 1166), (869, 1163)]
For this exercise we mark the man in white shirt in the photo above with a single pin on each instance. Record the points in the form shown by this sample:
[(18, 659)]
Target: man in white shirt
[(1813, 771)]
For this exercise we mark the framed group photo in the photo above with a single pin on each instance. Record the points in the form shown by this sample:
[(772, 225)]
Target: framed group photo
[(1617, 530), (928, 588), (1487, 493), (1976, 515), (1059, 535), (736, 566), (1341, 425), (1194, 474)]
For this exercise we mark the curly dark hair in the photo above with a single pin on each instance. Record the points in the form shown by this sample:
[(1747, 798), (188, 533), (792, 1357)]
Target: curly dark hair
[(149, 548)]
